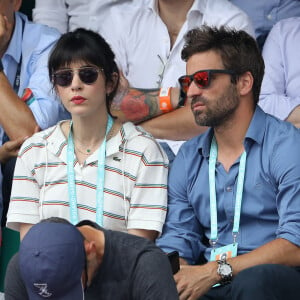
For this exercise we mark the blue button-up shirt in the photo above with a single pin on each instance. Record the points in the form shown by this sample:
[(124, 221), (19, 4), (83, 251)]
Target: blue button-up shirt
[(271, 195), (265, 14)]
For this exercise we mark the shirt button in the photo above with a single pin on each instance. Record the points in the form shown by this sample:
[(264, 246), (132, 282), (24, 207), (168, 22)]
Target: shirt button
[(228, 189), (269, 17)]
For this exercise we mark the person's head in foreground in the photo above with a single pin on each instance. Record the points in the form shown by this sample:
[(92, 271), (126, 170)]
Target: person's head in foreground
[(52, 260)]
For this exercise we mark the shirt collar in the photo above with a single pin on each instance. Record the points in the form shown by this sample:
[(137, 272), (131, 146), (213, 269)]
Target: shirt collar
[(13, 50), (198, 6), (255, 133)]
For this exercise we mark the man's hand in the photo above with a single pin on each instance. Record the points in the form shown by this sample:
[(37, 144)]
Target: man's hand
[(10, 149), (194, 281), (294, 117)]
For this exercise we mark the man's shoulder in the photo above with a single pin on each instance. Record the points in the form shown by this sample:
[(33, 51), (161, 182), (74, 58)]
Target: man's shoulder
[(280, 136), (39, 34), (195, 143), (129, 243), (223, 12), (286, 28)]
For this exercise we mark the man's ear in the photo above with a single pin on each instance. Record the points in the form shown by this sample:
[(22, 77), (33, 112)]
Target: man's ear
[(111, 84), (17, 4), (90, 247), (245, 83)]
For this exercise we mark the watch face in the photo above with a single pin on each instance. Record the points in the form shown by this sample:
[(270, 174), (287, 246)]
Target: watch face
[(225, 270)]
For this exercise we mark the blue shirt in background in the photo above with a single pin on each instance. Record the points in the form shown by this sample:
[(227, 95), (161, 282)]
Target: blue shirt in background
[(271, 196), (266, 13)]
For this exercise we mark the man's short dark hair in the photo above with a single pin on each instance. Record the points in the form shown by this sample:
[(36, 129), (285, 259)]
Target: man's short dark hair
[(238, 50), (89, 223)]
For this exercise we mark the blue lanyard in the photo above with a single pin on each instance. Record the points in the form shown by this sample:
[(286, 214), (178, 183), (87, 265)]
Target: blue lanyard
[(212, 192), (100, 177)]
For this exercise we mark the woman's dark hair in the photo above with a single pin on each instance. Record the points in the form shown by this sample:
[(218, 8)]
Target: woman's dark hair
[(87, 46), (238, 50)]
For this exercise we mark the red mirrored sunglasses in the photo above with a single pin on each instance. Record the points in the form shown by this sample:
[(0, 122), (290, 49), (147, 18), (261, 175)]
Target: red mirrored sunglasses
[(201, 78)]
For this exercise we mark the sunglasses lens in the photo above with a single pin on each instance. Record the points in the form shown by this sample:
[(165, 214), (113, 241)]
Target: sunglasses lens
[(63, 78), (185, 82), (88, 75), (201, 79)]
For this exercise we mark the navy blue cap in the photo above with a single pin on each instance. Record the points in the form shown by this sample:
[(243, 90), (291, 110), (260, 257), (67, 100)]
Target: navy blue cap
[(52, 259)]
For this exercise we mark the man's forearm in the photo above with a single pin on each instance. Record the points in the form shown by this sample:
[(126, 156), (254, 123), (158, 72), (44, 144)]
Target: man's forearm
[(278, 251), (16, 117), (294, 117), (138, 105)]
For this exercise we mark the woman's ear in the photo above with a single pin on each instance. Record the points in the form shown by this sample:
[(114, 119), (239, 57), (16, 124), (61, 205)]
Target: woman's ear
[(111, 84)]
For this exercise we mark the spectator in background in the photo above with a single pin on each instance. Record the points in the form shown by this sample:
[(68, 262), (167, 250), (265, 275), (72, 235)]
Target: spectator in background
[(265, 14), (236, 188), (25, 89), (118, 266), (67, 15), (147, 42), (281, 84), (92, 166)]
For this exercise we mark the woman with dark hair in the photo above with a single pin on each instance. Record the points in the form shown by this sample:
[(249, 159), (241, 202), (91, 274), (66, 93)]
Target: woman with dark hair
[(92, 166)]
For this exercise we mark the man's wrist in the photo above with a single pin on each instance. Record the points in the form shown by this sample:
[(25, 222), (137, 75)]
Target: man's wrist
[(175, 97), (165, 104), (1, 66)]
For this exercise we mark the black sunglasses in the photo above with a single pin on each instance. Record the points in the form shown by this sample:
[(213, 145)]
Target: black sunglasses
[(87, 75), (202, 78)]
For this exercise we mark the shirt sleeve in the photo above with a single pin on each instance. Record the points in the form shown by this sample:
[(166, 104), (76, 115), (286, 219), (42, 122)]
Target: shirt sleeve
[(182, 231), (14, 287), (286, 171), (153, 278), (25, 192), (148, 203), (53, 13), (280, 87)]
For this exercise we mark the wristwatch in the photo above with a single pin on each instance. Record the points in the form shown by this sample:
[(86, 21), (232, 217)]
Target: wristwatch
[(1, 66), (225, 271)]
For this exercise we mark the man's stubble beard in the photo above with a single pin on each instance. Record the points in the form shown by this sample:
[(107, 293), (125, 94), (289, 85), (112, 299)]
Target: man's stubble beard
[(219, 111)]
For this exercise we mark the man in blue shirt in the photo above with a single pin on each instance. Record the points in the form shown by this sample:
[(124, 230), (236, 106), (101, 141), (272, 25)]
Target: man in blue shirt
[(234, 191), (265, 14), (27, 99)]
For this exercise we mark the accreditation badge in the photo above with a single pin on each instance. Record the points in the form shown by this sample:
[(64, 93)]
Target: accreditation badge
[(223, 253)]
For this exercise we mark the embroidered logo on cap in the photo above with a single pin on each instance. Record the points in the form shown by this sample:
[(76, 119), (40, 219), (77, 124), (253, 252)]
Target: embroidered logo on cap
[(43, 287)]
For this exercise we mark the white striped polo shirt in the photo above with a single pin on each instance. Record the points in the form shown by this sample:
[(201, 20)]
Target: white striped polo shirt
[(135, 186)]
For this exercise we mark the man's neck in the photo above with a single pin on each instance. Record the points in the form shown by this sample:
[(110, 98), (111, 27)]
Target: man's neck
[(173, 13), (230, 137)]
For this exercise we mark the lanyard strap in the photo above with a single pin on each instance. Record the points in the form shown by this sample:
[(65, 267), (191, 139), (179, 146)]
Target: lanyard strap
[(16, 86), (100, 176), (212, 193)]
